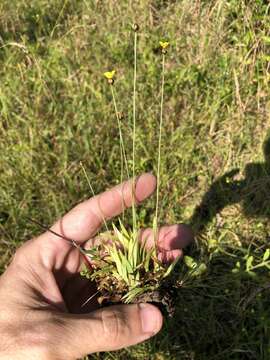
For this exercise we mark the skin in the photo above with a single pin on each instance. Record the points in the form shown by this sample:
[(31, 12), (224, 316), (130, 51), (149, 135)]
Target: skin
[(41, 316)]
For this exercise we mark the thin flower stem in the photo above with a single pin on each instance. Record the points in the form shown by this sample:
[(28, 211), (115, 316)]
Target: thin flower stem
[(159, 150), (122, 168), (134, 133), (122, 144), (93, 193)]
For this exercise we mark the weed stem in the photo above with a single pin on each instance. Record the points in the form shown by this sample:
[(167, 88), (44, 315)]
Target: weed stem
[(159, 150), (134, 133), (122, 144)]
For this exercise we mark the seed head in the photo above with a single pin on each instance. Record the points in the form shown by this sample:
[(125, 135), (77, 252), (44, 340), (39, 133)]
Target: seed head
[(135, 27)]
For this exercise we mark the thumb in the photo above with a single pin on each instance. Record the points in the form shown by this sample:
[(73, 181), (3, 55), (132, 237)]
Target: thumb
[(110, 328)]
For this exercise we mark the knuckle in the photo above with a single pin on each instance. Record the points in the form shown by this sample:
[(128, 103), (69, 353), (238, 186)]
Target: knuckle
[(115, 327), (51, 338)]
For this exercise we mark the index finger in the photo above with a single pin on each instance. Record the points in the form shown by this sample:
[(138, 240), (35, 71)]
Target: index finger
[(83, 221)]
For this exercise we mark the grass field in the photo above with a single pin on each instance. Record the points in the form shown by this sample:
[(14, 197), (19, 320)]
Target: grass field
[(56, 111)]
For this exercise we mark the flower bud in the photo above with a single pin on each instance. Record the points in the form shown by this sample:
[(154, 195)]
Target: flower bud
[(135, 27)]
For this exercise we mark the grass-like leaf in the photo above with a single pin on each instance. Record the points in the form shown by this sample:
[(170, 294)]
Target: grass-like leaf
[(130, 269)]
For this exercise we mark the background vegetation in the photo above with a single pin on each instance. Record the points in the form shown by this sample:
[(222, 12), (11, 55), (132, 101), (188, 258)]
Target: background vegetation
[(56, 110)]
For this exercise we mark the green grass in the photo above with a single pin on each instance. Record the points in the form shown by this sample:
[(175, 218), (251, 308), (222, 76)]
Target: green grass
[(56, 110)]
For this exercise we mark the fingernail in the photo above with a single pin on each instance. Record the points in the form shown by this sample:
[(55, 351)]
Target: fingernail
[(151, 319)]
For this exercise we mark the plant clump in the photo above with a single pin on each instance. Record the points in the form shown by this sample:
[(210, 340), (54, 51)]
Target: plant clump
[(126, 270)]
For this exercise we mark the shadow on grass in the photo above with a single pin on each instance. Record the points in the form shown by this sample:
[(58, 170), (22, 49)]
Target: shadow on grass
[(226, 314), (253, 191)]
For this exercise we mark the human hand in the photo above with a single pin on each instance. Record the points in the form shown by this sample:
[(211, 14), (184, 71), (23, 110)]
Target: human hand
[(41, 294)]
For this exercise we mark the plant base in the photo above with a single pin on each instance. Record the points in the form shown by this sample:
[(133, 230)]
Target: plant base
[(163, 298)]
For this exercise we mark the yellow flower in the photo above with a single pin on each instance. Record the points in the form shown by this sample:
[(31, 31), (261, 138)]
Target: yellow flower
[(164, 44), (109, 74)]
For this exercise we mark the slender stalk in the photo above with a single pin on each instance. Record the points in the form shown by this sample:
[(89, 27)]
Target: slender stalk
[(199, 18), (93, 193), (122, 144), (122, 174), (134, 133), (159, 150)]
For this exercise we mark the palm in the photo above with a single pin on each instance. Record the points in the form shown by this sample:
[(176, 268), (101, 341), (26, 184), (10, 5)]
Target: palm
[(75, 290)]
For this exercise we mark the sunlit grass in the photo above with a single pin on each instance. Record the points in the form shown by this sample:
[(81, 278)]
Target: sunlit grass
[(56, 111)]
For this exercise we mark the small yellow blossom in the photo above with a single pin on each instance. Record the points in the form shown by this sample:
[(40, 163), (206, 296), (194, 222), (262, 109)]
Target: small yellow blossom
[(164, 44), (109, 74)]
